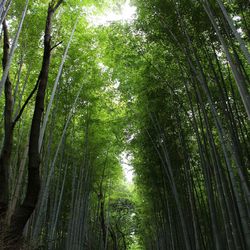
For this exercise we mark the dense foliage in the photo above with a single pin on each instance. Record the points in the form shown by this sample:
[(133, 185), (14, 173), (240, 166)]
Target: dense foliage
[(167, 92)]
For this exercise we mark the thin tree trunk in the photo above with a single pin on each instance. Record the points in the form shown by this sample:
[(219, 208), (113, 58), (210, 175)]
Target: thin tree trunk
[(19, 182), (235, 32), (55, 87), (245, 96), (12, 49), (3, 12)]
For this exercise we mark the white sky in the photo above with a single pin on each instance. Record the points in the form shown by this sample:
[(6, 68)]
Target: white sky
[(126, 14), (125, 159)]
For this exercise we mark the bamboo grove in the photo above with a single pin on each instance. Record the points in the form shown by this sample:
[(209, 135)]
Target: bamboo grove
[(167, 92)]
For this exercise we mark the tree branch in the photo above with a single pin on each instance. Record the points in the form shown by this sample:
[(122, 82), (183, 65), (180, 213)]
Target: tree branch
[(57, 5), (56, 45), (25, 104)]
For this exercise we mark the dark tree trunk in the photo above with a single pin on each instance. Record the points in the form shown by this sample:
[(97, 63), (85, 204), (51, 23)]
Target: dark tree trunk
[(102, 218), (13, 233), (8, 133)]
